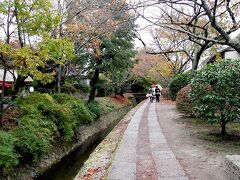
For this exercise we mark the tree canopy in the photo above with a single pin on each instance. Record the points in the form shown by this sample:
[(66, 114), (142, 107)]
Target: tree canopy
[(202, 23)]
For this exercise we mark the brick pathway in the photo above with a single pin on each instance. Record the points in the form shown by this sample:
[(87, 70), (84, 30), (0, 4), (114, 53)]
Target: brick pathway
[(144, 152)]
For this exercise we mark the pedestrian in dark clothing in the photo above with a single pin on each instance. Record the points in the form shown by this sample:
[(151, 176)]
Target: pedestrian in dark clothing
[(158, 93)]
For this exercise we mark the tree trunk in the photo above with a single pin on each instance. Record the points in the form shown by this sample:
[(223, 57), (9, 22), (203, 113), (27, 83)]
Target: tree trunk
[(115, 92), (223, 125), (59, 79), (121, 92), (93, 85), (3, 88), (235, 46), (18, 84), (19, 28), (195, 62), (198, 56), (8, 23)]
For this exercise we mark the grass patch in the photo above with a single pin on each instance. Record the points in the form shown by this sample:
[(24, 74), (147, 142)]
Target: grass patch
[(109, 104)]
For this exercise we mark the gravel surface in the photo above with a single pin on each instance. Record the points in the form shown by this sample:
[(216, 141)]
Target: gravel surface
[(198, 159)]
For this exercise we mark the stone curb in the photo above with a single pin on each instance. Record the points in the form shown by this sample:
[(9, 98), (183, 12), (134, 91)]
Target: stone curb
[(232, 166)]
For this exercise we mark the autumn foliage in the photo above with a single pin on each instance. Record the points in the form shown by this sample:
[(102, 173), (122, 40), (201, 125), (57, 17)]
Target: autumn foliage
[(153, 67), (165, 93), (120, 99), (183, 101)]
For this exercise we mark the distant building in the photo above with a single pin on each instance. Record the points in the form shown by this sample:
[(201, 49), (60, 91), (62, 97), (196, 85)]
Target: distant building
[(224, 52), (10, 78), (230, 53)]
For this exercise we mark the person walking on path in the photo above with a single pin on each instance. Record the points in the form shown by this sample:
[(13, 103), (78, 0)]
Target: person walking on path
[(158, 93), (150, 94)]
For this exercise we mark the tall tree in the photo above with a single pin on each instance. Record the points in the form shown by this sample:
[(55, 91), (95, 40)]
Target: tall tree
[(119, 51), (104, 22), (25, 23), (112, 57), (175, 48)]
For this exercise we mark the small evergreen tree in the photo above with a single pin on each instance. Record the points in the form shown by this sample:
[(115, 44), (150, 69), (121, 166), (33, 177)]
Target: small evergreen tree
[(216, 92)]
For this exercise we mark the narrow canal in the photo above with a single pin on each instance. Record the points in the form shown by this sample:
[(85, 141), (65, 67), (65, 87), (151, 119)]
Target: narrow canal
[(69, 167)]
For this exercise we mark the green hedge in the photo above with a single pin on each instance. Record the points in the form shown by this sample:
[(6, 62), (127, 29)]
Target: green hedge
[(65, 111), (177, 83), (95, 107)]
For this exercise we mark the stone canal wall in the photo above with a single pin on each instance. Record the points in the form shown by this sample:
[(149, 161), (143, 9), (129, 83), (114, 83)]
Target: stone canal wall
[(85, 136)]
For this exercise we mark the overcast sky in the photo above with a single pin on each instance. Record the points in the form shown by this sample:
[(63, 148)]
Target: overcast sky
[(144, 28)]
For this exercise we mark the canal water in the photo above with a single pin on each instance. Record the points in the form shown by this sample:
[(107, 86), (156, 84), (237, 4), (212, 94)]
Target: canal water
[(68, 168)]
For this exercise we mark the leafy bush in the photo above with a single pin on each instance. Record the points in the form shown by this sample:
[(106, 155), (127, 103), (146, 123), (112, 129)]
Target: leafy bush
[(8, 156), (177, 83), (83, 87), (215, 92), (68, 88), (35, 98), (63, 98), (68, 113), (109, 104), (44, 118), (61, 116), (183, 101), (34, 136), (82, 113), (95, 107)]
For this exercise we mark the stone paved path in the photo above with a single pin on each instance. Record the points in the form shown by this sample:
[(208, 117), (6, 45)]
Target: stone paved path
[(144, 152)]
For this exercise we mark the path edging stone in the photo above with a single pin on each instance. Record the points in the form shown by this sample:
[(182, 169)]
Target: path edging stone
[(97, 165), (232, 164)]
